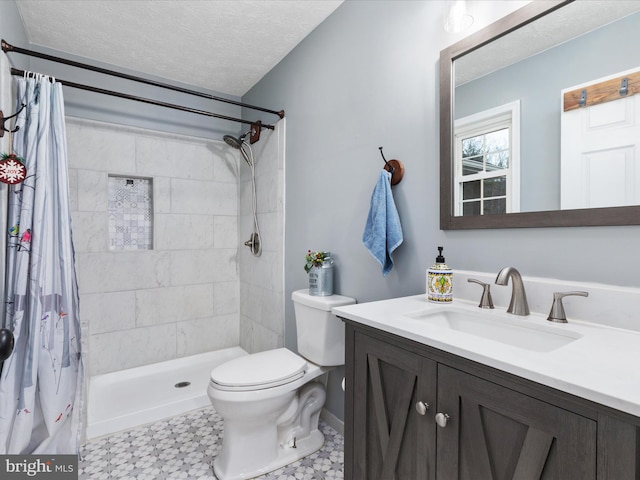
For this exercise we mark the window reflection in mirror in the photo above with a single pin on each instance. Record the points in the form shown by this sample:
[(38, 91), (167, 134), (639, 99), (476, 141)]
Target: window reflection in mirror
[(486, 157)]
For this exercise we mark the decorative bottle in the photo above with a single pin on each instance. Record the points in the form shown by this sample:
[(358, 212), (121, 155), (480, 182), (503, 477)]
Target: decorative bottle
[(321, 278), (440, 281)]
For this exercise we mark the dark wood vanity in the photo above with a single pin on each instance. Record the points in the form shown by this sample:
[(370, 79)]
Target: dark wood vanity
[(416, 412)]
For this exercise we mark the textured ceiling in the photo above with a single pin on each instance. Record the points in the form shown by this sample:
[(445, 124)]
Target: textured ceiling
[(560, 26), (221, 45)]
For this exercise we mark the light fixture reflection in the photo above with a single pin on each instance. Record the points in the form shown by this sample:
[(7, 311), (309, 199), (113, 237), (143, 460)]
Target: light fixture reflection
[(456, 18)]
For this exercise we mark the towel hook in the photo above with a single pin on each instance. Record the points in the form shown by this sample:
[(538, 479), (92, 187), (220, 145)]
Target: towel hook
[(390, 168), (395, 167), (3, 119)]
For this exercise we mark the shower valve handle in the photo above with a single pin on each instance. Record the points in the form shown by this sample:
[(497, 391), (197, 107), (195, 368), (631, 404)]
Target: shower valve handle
[(254, 244)]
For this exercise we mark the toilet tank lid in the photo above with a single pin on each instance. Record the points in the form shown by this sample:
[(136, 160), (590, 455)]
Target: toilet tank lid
[(321, 303)]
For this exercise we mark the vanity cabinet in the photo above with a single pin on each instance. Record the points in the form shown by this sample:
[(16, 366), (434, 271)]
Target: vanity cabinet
[(390, 438), (494, 432), (490, 425)]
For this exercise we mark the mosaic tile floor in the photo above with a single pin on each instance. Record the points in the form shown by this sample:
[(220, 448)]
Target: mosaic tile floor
[(184, 447)]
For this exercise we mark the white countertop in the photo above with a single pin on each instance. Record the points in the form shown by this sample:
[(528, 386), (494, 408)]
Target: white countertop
[(602, 364)]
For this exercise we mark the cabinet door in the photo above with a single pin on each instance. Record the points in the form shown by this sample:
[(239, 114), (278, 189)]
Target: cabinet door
[(391, 439), (496, 433)]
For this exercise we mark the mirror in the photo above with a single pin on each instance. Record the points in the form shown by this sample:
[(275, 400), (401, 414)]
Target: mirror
[(487, 72)]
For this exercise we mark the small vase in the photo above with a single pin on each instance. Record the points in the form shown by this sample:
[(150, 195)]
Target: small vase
[(321, 279)]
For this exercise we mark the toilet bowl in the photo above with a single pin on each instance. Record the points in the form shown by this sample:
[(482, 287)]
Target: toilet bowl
[(271, 401)]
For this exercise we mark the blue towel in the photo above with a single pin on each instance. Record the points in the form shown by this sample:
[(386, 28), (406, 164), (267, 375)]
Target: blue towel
[(383, 232)]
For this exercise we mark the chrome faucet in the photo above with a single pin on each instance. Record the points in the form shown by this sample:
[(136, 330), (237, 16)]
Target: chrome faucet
[(518, 304)]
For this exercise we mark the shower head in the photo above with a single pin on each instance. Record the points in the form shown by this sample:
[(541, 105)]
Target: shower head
[(239, 144), (233, 141)]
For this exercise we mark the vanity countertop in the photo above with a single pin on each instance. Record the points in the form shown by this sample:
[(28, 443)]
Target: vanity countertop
[(602, 364)]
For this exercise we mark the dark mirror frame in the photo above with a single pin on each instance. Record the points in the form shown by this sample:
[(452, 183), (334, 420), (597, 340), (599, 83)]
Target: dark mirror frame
[(555, 218)]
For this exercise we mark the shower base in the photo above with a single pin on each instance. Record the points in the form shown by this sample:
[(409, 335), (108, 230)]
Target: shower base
[(130, 398)]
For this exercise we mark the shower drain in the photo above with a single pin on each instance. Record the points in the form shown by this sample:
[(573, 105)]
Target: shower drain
[(182, 384)]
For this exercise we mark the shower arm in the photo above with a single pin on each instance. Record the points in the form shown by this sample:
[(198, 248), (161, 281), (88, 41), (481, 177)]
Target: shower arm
[(256, 128)]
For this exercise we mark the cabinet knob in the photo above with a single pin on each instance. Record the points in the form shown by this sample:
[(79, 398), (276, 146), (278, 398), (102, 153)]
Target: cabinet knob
[(442, 419), (422, 407)]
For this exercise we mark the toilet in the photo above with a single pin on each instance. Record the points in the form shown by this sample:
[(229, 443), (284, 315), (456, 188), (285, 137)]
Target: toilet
[(270, 401)]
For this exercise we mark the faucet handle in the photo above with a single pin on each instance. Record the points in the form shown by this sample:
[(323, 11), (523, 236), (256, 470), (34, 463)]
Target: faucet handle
[(557, 313), (486, 301)]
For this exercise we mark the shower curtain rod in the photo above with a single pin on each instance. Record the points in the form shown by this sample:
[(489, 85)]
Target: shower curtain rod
[(15, 71), (7, 47)]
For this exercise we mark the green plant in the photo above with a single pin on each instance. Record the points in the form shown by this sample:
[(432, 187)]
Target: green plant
[(314, 259)]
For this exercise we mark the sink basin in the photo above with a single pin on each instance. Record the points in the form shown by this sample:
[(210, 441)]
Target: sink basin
[(504, 328)]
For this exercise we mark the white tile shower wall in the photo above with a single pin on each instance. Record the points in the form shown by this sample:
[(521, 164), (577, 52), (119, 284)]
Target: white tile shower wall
[(262, 278), (182, 297)]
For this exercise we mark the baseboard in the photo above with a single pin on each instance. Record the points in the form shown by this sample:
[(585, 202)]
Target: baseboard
[(333, 421)]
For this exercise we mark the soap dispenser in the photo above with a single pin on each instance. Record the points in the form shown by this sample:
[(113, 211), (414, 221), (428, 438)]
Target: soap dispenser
[(440, 281)]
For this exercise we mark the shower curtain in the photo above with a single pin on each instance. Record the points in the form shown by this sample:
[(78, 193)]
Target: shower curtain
[(41, 382)]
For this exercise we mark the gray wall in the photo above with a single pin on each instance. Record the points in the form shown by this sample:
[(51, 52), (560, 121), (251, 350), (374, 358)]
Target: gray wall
[(537, 83), (12, 31), (368, 77)]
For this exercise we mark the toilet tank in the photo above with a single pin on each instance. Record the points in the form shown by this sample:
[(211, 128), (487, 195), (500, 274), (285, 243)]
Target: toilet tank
[(320, 333)]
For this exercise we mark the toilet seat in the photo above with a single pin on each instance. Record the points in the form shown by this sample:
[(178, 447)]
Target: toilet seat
[(259, 371)]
